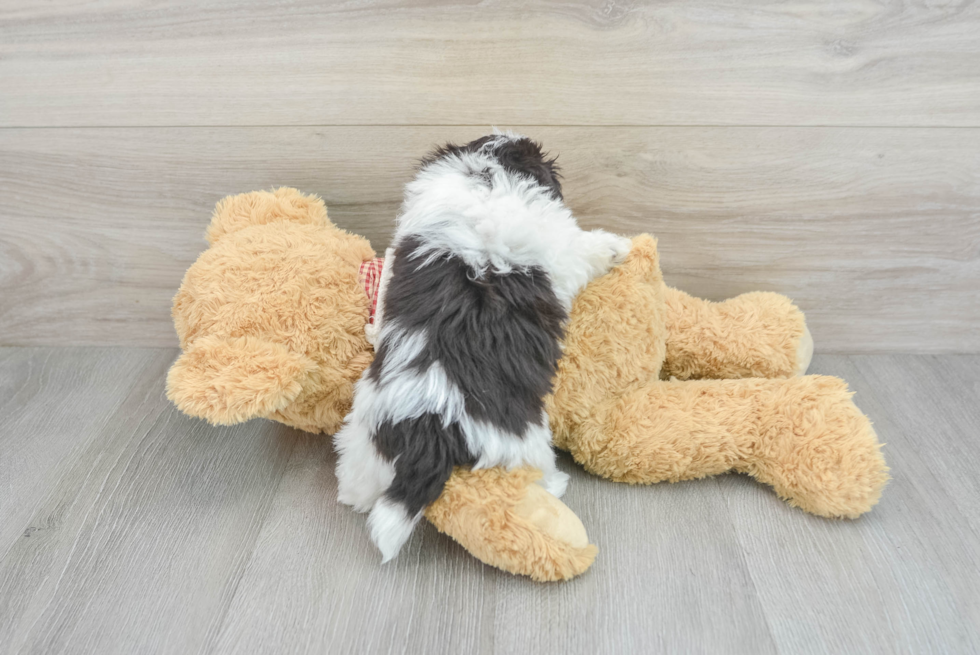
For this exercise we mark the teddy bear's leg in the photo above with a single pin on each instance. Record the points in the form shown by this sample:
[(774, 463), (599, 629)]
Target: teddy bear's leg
[(508, 521), (757, 334), (803, 436)]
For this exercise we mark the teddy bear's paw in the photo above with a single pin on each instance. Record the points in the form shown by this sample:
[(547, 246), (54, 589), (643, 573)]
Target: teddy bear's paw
[(804, 352), (507, 520), (552, 517)]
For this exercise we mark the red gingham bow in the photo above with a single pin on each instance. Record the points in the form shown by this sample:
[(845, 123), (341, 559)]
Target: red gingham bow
[(370, 277)]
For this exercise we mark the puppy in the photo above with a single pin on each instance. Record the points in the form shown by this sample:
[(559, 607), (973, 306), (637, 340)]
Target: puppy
[(487, 262)]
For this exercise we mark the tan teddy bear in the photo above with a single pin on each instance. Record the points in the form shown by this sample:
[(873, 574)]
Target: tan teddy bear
[(272, 318)]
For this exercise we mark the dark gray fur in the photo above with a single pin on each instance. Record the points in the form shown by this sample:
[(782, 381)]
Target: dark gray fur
[(496, 336), (424, 452), (522, 157)]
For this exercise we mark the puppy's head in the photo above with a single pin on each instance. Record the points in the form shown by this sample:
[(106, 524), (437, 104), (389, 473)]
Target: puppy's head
[(517, 155)]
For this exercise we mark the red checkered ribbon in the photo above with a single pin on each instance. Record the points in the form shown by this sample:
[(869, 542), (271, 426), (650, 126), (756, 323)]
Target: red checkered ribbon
[(370, 276)]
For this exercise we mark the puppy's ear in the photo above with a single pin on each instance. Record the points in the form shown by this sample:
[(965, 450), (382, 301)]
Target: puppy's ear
[(453, 150), (525, 157)]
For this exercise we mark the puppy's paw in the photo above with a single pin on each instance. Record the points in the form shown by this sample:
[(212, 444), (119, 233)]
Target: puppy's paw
[(359, 504), (361, 497), (621, 249), (555, 483), (608, 250)]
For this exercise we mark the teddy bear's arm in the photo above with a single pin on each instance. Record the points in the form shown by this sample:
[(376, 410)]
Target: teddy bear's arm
[(506, 520), (757, 334)]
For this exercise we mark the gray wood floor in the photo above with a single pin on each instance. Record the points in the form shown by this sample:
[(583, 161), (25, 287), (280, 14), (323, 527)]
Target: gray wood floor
[(126, 527)]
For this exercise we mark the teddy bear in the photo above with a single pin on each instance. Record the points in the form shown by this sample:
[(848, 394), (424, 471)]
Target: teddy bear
[(654, 385)]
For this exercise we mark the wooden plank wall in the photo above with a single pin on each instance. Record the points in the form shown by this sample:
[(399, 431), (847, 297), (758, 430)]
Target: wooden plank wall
[(826, 150)]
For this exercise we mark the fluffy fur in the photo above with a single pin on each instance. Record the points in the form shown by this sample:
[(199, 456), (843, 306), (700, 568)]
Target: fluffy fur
[(803, 435), (487, 262), (523, 530), (297, 290), (271, 317)]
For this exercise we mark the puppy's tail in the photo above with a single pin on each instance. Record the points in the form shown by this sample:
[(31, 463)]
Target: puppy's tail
[(424, 452), (391, 525)]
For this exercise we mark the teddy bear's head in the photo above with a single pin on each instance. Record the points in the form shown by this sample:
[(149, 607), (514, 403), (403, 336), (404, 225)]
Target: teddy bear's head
[(271, 317)]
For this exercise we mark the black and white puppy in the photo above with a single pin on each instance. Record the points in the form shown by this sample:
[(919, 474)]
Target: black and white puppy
[(487, 262)]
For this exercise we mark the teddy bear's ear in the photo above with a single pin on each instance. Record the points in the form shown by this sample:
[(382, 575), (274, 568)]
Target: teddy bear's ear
[(230, 380), (261, 207)]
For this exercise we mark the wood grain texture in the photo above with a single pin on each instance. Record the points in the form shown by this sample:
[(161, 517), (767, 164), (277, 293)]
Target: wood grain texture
[(875, 233), (138, 543), (902, 578), (435, 598), (162, 534), (73, 398), (595, 62)]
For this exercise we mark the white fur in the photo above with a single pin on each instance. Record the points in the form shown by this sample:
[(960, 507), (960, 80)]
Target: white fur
[(362, 474), (390, 527), (500, 448), (405, 394), (511, 225)]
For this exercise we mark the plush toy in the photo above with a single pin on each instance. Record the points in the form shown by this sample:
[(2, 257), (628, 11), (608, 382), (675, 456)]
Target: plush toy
[(271, 321)]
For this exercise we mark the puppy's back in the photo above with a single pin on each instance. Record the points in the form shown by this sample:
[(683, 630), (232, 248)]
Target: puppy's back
[(496, 336)]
